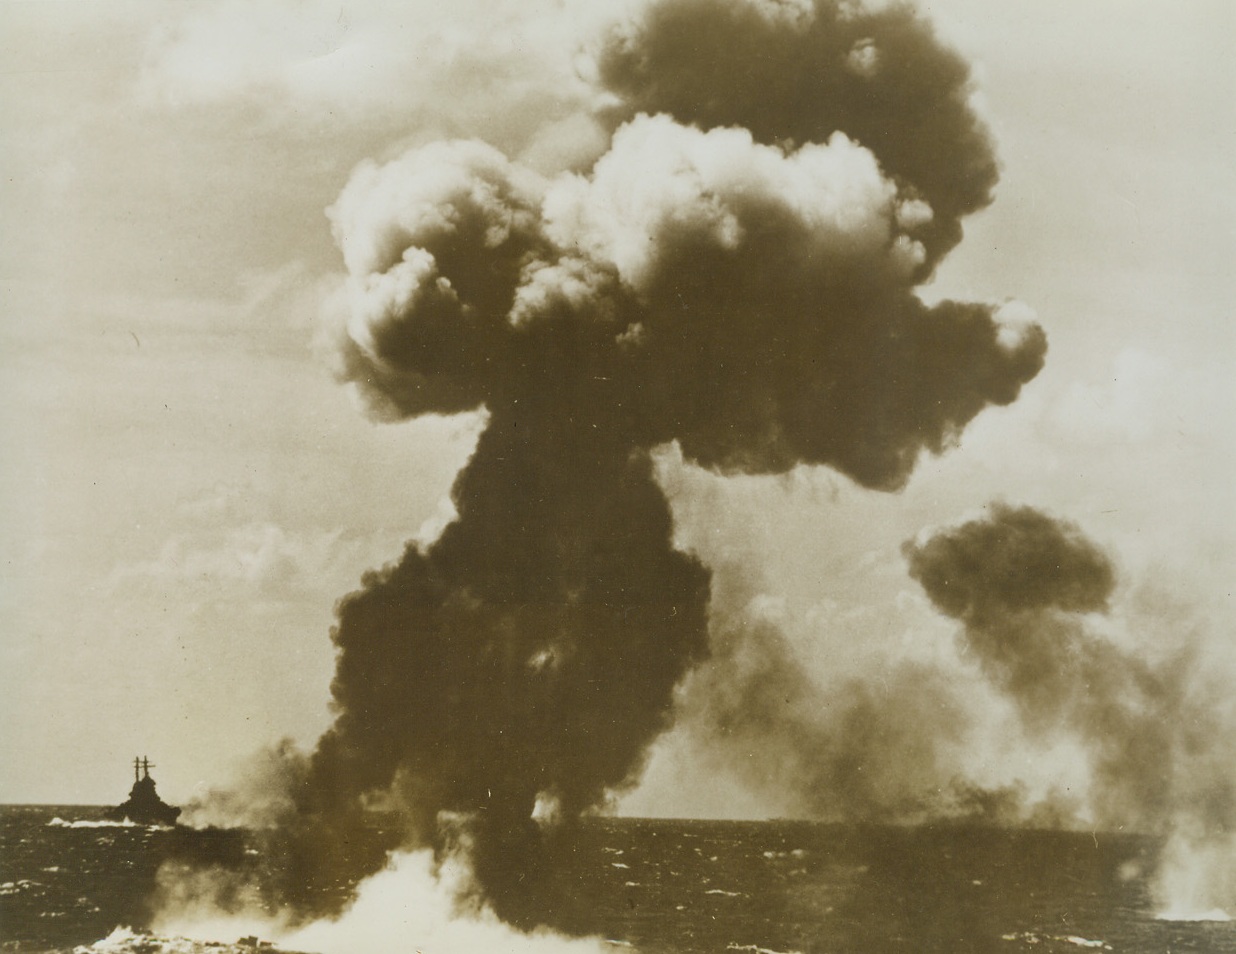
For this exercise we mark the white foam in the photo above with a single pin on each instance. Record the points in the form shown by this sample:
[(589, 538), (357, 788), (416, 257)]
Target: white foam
[(403, 909), (124, 940)]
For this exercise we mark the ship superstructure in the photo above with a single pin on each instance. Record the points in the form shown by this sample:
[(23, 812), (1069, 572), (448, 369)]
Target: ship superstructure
[(144, 805)]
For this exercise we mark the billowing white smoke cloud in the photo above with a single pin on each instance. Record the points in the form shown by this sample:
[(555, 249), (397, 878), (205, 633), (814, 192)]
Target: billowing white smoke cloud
[(664, 187)]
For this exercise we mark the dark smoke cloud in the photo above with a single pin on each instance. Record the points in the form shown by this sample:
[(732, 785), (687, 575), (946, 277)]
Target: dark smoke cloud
[(1024, 585), (799, 71), (776, 319), (749, 295), (738, 278), (1017, 560)]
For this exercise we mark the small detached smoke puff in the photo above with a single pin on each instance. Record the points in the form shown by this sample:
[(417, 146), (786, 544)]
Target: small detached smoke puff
[(1022, 583), (1161, 758), (736, 273)]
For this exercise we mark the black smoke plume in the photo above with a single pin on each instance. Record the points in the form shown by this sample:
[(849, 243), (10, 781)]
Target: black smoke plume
[(736, 273)]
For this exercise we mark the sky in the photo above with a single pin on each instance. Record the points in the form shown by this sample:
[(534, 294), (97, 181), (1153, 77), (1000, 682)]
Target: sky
[(186, 490)]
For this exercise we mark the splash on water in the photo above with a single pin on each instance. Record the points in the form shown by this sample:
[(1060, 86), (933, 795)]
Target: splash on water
[(414, 904), (1196, 880)]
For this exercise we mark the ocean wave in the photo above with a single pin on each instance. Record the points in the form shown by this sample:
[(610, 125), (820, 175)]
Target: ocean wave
[(793, 853), (59, 822)]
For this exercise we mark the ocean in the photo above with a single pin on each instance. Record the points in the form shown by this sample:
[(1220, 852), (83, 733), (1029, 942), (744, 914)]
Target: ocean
[(68, 880)]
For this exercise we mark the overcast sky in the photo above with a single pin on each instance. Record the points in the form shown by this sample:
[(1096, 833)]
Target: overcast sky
[(185, 491)]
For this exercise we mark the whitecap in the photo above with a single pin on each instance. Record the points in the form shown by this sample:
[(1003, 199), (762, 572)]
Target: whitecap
[(756, 949), (1085, 942)]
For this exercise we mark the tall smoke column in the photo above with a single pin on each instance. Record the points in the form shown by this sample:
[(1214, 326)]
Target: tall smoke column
[(736, 273), (1162, 759)]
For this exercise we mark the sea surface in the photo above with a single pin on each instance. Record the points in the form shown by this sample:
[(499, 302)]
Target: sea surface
[(67, 880)]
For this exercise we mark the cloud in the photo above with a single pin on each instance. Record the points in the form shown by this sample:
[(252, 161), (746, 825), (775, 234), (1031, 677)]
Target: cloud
[(502, 68), (262, 558)]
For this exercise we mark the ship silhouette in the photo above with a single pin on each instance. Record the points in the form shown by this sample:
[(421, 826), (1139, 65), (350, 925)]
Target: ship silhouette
[(144, 805)]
